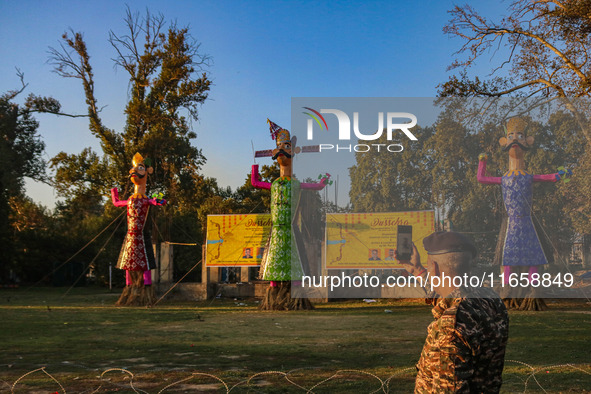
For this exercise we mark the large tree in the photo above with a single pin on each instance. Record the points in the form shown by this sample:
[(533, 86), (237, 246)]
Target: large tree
[(541, 47), (167, 84)]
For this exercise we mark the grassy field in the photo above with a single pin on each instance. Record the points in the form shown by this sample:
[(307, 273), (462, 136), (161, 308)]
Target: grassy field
[(86, 344)]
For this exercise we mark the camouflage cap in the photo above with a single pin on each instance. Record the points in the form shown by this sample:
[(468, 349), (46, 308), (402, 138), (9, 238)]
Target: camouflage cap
[(441, 242)]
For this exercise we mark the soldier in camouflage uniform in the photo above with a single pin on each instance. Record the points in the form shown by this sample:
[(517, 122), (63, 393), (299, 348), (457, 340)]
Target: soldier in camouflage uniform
[(465, 347)]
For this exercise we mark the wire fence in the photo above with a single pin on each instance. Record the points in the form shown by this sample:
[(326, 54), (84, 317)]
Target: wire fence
[(262, 381)]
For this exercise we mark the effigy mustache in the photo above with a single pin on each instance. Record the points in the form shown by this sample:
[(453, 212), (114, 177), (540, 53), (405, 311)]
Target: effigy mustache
[(281, 152), (137, 174), (505, 149)]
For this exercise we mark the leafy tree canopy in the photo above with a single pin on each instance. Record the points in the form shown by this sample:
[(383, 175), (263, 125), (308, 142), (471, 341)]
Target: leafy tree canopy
[(167, 85)]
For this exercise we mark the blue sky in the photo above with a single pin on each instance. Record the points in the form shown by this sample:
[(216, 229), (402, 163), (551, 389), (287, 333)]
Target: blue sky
[(264, 53)]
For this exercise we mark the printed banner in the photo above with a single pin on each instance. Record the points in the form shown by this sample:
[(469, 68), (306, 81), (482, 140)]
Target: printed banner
[(368, 240), (237, 240)]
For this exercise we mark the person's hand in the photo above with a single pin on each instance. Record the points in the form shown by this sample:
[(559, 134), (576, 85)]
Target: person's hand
[(482, 157), (412, 266)]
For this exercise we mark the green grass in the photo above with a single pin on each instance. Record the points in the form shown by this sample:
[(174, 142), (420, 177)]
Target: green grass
[(80, 336)]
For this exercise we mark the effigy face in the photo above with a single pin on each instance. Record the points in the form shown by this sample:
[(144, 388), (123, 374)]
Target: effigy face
[(138, 172), (516, 142), (283, 153), (138, 175)]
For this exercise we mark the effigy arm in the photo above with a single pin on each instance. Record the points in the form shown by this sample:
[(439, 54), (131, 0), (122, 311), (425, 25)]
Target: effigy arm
[(254, 178), (324, 180), (312, 186), (563, 174), (481, 174), (115, 198), (547, 177)]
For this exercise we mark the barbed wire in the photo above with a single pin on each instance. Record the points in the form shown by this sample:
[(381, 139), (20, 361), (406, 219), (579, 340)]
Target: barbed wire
[(42, 369), (384, 384)]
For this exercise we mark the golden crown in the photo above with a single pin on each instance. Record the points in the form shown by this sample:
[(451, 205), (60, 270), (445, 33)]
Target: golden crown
[(282, 136), (137, 159), (516, 125)]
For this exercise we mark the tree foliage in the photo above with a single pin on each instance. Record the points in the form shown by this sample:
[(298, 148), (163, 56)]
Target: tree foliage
[(385, 182), (21, 150), (167, 85), (540, 41), (20, 144)]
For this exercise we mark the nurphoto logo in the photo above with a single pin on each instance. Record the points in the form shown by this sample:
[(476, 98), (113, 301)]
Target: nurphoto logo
[(392, 121)]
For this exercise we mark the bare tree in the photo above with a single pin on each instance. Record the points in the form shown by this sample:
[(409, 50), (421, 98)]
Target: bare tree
[(541, 49)]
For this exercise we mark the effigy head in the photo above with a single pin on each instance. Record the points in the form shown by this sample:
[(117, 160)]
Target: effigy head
[(138, 172), (283, 152), (515, 141)]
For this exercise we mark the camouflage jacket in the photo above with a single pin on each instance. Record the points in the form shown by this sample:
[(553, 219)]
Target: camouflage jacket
[(465, 347)]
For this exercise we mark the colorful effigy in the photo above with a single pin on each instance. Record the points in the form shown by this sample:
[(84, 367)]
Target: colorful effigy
[(281, 262), (522, 247), (137, 256)]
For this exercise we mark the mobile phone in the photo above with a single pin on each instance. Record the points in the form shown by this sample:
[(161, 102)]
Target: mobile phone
[(404, 242)]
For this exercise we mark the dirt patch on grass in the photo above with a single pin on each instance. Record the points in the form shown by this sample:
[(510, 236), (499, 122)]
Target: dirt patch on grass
[(134, 360)]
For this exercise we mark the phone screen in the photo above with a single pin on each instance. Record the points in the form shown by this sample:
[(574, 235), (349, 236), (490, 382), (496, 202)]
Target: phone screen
[(404, 242)]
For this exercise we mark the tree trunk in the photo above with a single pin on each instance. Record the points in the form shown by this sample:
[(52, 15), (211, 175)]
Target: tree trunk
[(278, 298)]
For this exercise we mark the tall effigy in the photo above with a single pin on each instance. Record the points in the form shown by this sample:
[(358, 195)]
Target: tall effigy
[(281, 262), (137, 256), (522, 249)]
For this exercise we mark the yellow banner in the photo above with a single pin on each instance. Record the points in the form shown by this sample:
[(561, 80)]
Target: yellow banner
[(368, 240), (237, 240)]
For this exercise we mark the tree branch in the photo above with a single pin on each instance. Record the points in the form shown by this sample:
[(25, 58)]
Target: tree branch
[(544, 42), (13, 93)]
